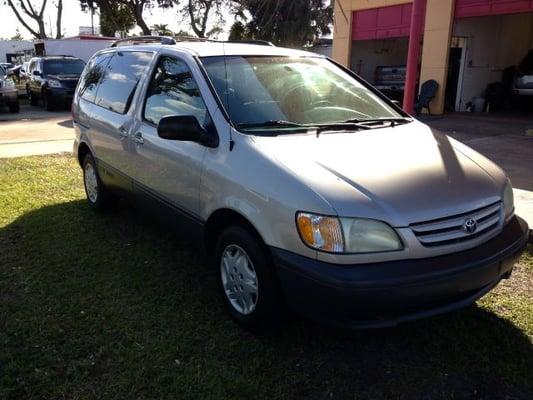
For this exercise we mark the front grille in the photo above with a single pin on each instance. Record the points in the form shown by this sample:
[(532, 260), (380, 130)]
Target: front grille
[(70, 84), (451, 230)]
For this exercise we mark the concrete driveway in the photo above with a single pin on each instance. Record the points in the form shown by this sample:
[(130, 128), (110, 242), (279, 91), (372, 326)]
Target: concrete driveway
[(506, 140), (35, 131)]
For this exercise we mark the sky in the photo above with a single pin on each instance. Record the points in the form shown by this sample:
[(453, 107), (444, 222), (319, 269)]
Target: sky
[(73, 18)]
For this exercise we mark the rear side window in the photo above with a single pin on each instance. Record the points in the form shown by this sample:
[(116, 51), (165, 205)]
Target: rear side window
[(92, 75), (120, 80)]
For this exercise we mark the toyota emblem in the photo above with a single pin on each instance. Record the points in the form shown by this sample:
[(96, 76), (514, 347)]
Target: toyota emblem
[(470, 225)]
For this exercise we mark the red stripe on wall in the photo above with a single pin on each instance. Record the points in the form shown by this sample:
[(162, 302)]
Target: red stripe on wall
[(382, 23), (479, 8)]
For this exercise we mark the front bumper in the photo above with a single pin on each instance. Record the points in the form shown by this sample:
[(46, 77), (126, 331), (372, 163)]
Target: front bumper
[(8, 96), (388, 293), (523, 91), (60, 94)]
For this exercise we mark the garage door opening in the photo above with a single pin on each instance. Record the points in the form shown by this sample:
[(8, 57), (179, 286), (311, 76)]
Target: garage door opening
[(382, 63), (487, 64)]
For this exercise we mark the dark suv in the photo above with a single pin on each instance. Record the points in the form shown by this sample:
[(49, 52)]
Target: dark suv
[(53, 79)]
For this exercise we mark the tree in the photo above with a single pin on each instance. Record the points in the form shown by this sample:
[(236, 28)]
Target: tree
[(17, 36), (162, 29), (116, 19), (198, 13), (285, 22), (30, 15), (135, 7)]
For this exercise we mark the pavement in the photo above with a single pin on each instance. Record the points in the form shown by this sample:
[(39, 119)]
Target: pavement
[(505, 139), (34, 131)]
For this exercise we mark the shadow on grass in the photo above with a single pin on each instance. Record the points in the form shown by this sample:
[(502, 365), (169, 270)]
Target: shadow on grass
[(113, 306)]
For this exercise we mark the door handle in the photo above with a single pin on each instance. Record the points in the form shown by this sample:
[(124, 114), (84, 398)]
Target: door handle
[(123, 133), (138, 138)]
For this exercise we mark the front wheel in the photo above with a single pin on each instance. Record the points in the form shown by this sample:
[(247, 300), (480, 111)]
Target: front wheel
[(33, 100), (48, 102), (98, 196), (247, 281)]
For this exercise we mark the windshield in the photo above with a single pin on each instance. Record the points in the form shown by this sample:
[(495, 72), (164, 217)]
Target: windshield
[(63, 67), (303, 91)]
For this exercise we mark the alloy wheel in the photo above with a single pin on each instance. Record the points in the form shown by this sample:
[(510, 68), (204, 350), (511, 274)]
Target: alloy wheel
[(239, 279), (91, 182)]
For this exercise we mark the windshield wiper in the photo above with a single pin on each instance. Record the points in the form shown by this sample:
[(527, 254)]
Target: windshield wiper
[(322, 127), (271, 123), (370, 121)]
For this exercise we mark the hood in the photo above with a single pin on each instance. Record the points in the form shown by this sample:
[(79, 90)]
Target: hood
[(402, 175)]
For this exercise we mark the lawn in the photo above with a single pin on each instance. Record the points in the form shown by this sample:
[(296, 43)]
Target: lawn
[(114, 307)]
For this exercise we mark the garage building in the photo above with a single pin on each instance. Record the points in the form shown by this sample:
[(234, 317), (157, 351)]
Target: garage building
[(470, 47)]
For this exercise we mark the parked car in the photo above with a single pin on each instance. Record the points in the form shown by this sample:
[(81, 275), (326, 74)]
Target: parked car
[(523, 82), (19, 77), (7, 65), (390, 80), (53, 80), (8, 91), (309, 188)]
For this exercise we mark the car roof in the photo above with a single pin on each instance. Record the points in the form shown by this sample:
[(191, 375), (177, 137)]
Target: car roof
[(214, 48)]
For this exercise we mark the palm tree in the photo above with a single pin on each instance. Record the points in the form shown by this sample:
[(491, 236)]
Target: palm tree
[(162, 29)]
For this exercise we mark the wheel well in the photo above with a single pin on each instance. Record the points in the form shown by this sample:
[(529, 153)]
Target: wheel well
[(220, 220), (83, 150)]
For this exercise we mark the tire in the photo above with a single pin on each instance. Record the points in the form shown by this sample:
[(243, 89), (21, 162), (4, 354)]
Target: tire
[(47, 103), (33, 100), (14, 107), (261, 311), (98, 196)]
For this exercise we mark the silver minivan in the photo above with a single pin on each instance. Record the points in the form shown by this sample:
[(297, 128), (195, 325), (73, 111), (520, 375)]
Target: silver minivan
[(310, 190)]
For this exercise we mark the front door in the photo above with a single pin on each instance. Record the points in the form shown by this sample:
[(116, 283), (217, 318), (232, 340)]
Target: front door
[(166, 169)]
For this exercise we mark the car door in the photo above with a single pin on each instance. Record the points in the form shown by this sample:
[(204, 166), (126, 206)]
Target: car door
[(169, 170), (111, 116)]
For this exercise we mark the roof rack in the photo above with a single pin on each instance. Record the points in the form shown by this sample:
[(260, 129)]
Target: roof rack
[(169, 40), (143, 39)]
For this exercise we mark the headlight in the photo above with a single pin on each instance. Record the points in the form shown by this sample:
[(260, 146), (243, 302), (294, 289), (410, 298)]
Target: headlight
[(54, 83), (508, 199), (346, 235)]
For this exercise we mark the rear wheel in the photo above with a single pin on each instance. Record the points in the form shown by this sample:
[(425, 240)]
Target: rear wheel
[(247, 281), (14, 107), (98, 196)]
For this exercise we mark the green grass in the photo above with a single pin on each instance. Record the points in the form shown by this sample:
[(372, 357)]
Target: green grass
[(114, 307)]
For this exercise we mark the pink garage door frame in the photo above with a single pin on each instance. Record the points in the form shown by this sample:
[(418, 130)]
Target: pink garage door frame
[(382, 22), (480, 8)]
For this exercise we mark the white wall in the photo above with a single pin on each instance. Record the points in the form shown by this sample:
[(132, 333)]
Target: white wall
[(13, 46), (83, 49), (368, 54), (493, 44)]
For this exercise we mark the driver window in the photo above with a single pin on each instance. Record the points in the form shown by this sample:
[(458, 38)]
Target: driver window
[(173, 91)]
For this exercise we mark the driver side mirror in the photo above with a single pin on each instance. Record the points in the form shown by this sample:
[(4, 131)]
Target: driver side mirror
[(37, 73), (185, 128)]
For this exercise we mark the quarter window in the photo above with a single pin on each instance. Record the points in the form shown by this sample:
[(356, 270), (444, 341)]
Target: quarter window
[(173, 91), (120, 80), (92, 75)]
